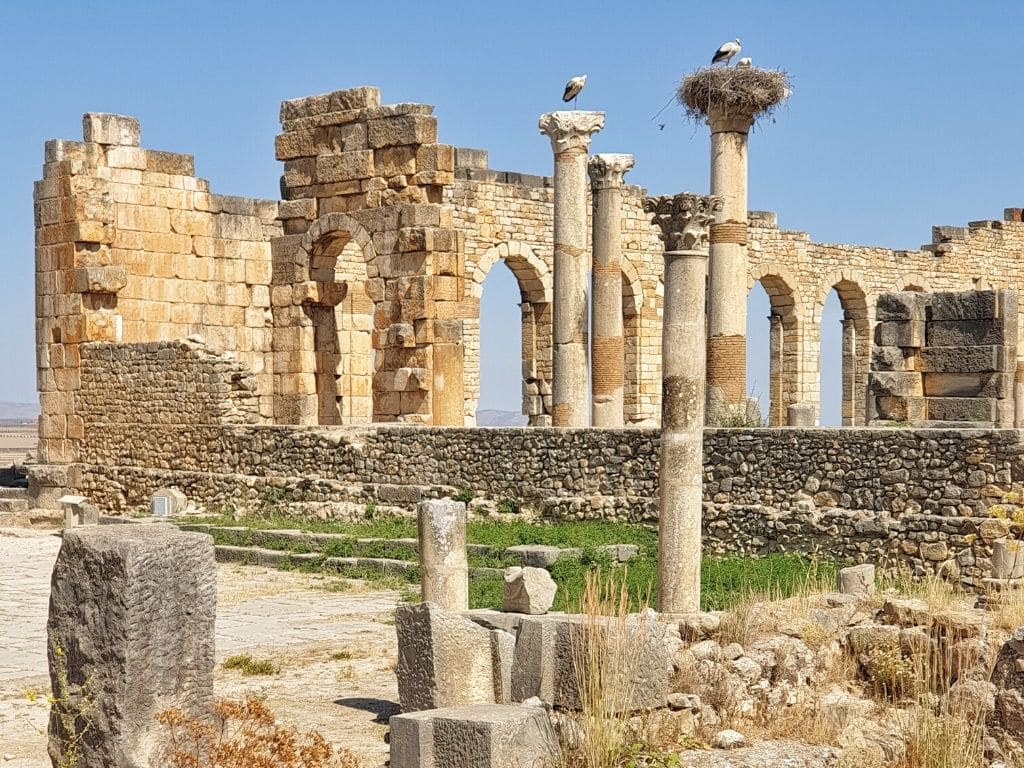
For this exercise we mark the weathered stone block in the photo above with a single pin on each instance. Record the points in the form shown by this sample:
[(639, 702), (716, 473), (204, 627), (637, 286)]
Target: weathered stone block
[(981, 409), (856, 580), (362, 97), (902, 408), (891, 359), (167, 502), (401, 129), (535, 555), (444, 660), (544, 658), (972, 305), (344, 166), (897, 383), (900, 333), (441, 526), (528, 590), (105, 128), (906, 305), (979, 359), (801, 415), (961, 384), (99, 279), (494, 736), (966, 333), (470, 158), (132, 620)]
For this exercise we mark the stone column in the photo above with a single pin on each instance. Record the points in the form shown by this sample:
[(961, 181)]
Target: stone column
[(683, 221), (727, 288), (444, 571), (570, 134), (849, 373), (776, 414), (682, 432), (606, 349)]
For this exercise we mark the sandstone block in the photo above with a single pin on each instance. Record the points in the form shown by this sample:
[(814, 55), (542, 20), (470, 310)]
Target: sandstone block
[(132, 611), (857, 580), (494, 736), (362, 97), (544, 666), (902, 408), (105, 128), (906, 305), (503, 651), (293, 144), (1007, 559), (470, 158), (444, 660), (800, 415), (528, 590), (99, 279), (344, 166), (906, 612), (967, 385), (976, 359), (401, 129), (981, 409), (896, 383), (900, 333)]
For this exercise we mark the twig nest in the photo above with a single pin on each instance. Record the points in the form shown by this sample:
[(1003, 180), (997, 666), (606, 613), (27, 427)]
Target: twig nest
[(742, 92)]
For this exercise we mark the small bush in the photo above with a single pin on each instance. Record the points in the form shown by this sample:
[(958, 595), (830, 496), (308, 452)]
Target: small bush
[(465, 496), (249, 666)]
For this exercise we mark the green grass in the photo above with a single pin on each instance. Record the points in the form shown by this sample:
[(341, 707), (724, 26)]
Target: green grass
[(249, 666)]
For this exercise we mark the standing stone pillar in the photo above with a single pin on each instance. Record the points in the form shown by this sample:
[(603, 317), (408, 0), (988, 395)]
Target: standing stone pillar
[(849, 372), (570, 134), (683, 221), (444, 571), (607, 354), (727, 299), (776, 416)]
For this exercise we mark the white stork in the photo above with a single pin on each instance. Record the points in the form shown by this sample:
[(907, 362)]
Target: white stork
[(573, 88), (745, 63), (726, 52)]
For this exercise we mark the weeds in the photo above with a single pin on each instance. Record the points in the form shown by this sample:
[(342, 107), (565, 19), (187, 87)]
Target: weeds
[(71, 708), (249, 666)]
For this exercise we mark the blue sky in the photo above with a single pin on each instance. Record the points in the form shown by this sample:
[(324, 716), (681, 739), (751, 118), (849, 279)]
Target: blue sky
[(904, 115)]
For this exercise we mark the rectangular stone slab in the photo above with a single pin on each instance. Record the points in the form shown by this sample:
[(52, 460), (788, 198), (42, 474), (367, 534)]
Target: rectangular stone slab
[(957, 333), (976, 359), (901, 408), (900, 333), (906, 305), (898, 383), (972, 305), (981, 409), (888, 358), (967, 385), (479, 736), (132, 611)]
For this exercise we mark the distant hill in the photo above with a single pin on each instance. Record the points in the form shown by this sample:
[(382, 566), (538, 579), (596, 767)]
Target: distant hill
[(492, 418), (18, 410)]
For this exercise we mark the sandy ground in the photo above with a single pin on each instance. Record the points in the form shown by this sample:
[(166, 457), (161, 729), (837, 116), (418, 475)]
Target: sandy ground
[(16, 441), (336, 651)]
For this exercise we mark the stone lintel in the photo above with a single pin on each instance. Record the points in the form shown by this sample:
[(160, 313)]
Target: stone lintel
[(570, 129)]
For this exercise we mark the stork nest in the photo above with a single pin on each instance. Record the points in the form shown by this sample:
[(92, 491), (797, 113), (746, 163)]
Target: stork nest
[(733, 91)]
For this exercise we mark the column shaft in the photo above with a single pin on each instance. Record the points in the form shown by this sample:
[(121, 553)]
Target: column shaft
[(682, 425), (727, 299), (607, 347), (776, 407), (849, 373), (570, 136)]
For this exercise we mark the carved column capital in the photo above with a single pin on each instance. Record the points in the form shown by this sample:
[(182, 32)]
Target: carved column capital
[(570, 129), (607, 170), (684, 219)]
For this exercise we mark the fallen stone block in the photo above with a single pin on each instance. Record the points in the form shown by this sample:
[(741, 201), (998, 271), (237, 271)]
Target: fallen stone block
[(482, 736), (528, 590), (444, 659), (131, 627), (906, 612), (538, 555), (856, 580), (545, 648), (503, 650)]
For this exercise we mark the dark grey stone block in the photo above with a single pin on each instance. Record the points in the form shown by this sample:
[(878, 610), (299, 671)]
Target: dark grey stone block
[(900, 333), (978, 359), (906, 305), (957, 333), (981, 409), (965, 305), (891, 359), (899, 383)]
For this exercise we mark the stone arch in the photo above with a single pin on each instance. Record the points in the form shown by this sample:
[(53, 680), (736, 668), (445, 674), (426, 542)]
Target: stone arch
[(783, 339), (913, 281), (856, 345), (534, 279), (323, 338), (632, 342)]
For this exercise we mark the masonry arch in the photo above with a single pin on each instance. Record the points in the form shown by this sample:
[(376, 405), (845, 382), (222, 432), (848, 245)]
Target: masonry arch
[(534, 280), (324, 352), (913, 281), (783, 339), (855, 345)]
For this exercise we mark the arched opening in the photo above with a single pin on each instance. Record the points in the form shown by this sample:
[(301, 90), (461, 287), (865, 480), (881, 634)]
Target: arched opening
[(843, 356), (772, 344), (490, 340), (342, 320), (502, 396)]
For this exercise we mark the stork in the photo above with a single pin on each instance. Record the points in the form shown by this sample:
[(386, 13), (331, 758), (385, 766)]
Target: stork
[(573, 88), (745, 63), (726, 52)]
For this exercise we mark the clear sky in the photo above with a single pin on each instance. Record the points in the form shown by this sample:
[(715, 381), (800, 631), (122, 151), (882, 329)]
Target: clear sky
[(904, 114)]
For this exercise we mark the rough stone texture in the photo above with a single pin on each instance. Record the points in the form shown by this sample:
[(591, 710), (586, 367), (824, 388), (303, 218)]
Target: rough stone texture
[(954, 368), (442, 551), (782, 753), (1006, 722), (856, 580), (132, 613), (493, 736), (543, 665), (444, 660), (528, 590)]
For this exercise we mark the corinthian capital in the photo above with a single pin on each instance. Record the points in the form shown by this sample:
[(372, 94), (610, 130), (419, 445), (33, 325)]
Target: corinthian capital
[(570, 129), (684, 219), (607, 170)]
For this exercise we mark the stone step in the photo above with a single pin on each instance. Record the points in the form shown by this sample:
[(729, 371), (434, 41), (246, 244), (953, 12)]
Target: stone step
[(13, 505), (13, 492)]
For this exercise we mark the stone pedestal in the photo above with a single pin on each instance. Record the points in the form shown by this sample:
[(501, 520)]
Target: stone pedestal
[(442, 547), (607, 352), (570, 134), (727, 285), (131, 628), (682, 426)]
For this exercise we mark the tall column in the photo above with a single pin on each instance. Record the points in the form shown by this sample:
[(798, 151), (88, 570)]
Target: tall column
[(607, 356), (776, 409), (570, 134), (727, 299), (683, 221), (849, 373)]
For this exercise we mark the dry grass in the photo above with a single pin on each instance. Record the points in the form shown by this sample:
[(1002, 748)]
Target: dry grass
[(733, 91), (244, 734), (1007, 608)]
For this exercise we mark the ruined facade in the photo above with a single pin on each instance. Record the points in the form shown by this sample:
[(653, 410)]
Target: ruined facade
[(355, 299)]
